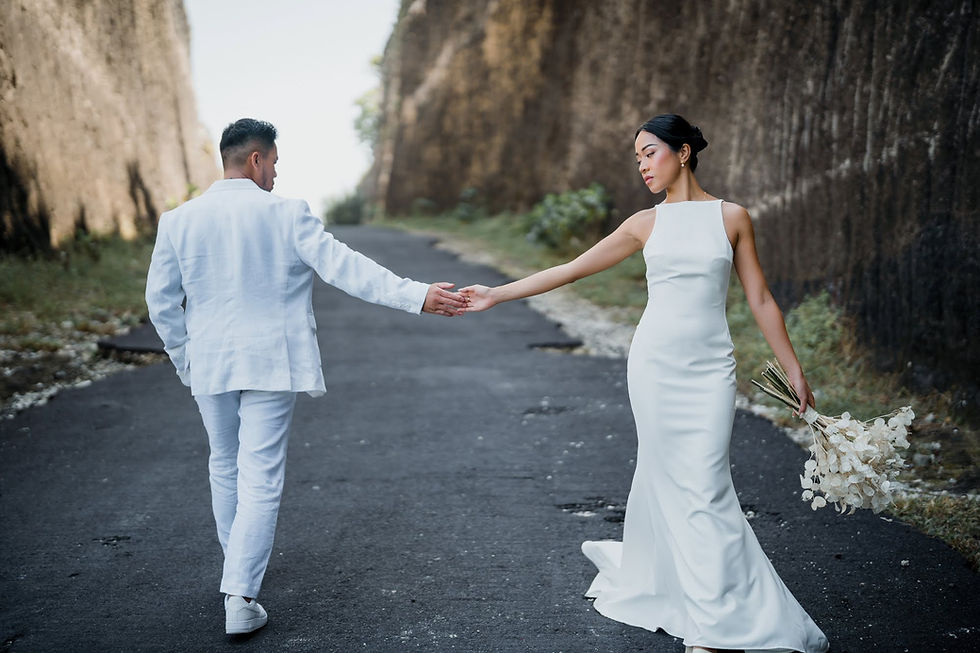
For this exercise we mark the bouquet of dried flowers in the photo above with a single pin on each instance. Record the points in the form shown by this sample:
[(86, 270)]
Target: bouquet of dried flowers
[(852, 463)]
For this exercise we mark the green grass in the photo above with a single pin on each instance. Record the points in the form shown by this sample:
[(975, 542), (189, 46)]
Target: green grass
[(955, 520), (91, 283), (830, 358)]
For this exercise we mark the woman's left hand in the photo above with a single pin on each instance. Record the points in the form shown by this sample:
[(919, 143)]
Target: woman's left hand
[(479, 298)]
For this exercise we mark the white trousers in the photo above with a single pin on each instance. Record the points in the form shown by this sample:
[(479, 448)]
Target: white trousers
[(248, 431)]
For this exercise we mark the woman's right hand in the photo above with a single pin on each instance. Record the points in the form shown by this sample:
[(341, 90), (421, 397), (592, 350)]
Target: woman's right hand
[(803, 391), (479, 298)]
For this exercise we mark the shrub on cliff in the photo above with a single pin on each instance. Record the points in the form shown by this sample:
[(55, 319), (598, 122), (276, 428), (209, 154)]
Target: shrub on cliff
[(469, 207), (570, 220), (350, 209)]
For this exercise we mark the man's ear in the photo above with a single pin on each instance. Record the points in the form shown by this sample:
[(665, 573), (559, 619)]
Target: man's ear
[(253, 158)]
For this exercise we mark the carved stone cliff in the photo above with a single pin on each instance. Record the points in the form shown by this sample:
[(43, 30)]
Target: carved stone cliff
[(848, 129), (98, 123)]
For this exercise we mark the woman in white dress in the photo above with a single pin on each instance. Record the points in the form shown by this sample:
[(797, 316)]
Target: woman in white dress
[(689, 563)]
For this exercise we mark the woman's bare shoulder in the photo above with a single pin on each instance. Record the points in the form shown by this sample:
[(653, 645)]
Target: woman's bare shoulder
[(642, 218), (735, 214), (640, 224), (733, 210)]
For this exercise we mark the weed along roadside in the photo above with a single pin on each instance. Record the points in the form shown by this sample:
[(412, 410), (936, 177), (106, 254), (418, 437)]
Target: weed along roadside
[(55, 307), (940, 489)]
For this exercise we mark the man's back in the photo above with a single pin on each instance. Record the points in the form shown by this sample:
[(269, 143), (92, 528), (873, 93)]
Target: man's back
[(238, 262), (247, 310), (244, 259)]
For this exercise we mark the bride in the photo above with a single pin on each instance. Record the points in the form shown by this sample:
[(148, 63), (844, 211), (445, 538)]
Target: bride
[(689, 563)]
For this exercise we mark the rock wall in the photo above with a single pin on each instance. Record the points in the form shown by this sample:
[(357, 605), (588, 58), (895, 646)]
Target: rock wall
[(98, 123), (849, 129)]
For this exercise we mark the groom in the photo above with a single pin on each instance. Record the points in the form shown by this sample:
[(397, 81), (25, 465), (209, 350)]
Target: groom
[(229, 291)]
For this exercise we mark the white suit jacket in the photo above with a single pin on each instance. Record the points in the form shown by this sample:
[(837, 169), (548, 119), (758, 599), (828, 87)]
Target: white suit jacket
[(230, 285)]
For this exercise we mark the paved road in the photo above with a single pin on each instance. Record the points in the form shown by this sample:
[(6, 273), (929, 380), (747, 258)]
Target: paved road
[(435, 500)]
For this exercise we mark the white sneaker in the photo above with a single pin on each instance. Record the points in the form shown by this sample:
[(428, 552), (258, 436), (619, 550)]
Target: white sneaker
[(242, 616)]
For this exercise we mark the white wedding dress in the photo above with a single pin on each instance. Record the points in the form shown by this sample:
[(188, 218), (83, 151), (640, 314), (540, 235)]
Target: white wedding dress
[(689, 563)]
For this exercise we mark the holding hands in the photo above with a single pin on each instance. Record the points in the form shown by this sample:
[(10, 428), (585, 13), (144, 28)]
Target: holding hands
[(472, 299), (478, 298), (439, 301)]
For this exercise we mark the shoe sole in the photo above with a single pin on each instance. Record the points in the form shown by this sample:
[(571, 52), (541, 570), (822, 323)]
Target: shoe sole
[(243, 627)]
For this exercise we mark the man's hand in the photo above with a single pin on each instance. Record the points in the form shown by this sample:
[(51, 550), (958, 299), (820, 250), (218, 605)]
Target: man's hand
[(442, 302)]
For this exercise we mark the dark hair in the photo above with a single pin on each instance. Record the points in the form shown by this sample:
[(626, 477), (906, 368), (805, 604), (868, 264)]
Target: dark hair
[(675, 131), (240, 138)]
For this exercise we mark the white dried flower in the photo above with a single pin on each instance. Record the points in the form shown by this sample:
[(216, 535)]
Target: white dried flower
[(852, 463)]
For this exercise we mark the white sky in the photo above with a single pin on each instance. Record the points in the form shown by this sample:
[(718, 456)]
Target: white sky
[(300, 64)]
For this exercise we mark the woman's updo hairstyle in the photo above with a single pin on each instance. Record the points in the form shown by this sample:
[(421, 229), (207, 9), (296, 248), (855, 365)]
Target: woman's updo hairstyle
[(675, 131)]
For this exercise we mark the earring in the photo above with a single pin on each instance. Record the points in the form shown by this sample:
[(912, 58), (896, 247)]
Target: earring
[(682, 164)]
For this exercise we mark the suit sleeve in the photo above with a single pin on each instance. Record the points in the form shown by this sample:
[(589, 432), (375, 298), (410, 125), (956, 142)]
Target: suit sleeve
[(164, 301), (355, 274)]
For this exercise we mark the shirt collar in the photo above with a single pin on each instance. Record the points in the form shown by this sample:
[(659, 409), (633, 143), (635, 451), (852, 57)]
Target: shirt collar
[(233, 184)]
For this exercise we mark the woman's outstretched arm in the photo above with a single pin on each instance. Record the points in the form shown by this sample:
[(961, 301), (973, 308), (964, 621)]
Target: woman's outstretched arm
[(609, 251), (764, 308)]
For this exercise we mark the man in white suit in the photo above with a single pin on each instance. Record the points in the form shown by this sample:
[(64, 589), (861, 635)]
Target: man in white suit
[(229, 291)]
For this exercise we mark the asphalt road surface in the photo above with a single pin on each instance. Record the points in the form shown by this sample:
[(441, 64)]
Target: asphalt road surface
[(435, 500)]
